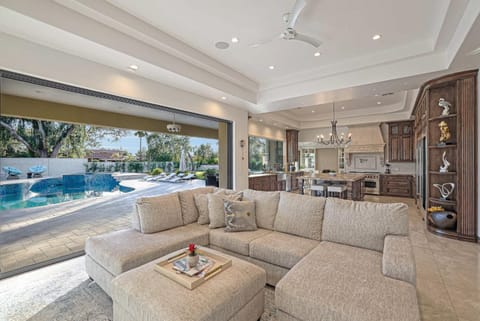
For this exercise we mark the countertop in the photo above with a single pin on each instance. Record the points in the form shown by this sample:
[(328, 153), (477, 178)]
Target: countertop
[(349, 177)]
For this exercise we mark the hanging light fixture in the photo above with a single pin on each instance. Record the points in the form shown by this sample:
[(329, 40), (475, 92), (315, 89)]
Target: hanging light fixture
[(335, 140), (174, 128)]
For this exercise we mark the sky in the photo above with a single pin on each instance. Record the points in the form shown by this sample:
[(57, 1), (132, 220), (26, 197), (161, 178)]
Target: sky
[(131, 143)]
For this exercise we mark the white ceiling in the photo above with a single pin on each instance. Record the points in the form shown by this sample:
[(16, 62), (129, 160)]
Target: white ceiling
[(172, 42)]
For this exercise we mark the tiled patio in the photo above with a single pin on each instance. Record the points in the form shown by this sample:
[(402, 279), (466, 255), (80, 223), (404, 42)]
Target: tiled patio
[(35, 236)]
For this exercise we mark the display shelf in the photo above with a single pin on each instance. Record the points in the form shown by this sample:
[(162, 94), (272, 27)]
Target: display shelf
[(443, 117), (440, 173), (443, 202), (443, 146)]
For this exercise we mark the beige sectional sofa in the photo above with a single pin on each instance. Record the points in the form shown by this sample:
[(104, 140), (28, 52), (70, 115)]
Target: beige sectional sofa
[(329, 259)]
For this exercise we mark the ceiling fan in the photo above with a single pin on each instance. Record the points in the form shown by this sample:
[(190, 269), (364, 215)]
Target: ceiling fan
[(290, 33)]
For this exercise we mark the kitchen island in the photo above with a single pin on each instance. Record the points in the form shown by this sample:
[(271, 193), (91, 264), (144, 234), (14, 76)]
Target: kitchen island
[(353, 181), (277, 181)]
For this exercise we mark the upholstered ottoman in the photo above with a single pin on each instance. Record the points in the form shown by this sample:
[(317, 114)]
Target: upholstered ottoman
[(236, 294)]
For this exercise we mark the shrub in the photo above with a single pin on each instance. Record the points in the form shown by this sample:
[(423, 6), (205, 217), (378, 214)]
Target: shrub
[(156, 171), (200, 175), (136, 167)]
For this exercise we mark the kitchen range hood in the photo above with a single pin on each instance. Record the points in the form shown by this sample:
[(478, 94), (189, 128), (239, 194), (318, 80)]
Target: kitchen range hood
[(366, 139)]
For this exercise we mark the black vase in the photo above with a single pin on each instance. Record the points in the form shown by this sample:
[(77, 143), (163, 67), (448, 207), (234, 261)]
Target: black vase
[(443, 219)]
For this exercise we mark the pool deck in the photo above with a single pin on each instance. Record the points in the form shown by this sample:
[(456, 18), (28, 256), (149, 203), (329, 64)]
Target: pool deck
[(37, 235)]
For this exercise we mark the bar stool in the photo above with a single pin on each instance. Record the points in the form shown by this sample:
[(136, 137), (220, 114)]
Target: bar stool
[(337, 191), (318, 190)]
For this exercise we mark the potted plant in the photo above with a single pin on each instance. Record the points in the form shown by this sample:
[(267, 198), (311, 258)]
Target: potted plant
[(211, 177), (192, 257)]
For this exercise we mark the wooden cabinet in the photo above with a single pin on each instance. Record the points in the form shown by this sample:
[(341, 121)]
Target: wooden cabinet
[(292, 145), (459, 148), (263, 182), (396, 185), (400, 141)]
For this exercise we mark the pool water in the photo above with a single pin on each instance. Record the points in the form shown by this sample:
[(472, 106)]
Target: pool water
[(58, 190)]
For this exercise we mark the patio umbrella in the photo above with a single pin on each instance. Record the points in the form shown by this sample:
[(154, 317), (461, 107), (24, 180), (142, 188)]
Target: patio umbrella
[(183, 163)]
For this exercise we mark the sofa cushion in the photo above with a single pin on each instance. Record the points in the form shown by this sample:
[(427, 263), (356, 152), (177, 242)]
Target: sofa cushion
[(344, 283), (300, 215), (235, 242), (187, 203), (363, 224), (216, 207), (281, 249), (159, 213), (398, 261), (266, 205), (201, 202), (123, 250), (239, 216)]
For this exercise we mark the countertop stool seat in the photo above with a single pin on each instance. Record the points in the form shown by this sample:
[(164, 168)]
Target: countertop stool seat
[(318, 190), (337, 190)]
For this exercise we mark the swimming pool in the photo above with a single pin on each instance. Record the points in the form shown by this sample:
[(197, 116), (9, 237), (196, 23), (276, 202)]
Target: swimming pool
[(58, 190)]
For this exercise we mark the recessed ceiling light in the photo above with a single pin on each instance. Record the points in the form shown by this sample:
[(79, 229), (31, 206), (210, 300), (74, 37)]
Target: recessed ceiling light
[(222, 45), (224, 98), (234, 39), (133, 67), (343, 107), (260, 120), (376, 37), (271, 67), (376, 95), (317, 54), (313, 111), (379, 102)]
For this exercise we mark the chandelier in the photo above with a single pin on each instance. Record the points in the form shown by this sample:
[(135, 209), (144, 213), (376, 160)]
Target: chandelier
[(335, 140), (174, 128)]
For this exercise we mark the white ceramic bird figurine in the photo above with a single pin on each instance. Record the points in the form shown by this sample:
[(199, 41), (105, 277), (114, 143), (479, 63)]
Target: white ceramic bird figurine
[(445, 105)]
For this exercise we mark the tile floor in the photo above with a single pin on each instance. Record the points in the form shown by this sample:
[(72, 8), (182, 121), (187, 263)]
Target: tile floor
[(33, 236)]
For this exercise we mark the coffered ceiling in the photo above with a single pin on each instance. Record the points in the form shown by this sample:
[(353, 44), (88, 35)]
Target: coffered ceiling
[(173, 42)]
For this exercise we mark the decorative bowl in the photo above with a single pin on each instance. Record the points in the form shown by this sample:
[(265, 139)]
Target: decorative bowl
[(443, 219)]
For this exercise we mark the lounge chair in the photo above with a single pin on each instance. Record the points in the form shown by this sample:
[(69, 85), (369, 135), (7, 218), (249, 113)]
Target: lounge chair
[(37, 170), (12, 172), (188, 177), (176, 179), (166, 178), (153, 178)]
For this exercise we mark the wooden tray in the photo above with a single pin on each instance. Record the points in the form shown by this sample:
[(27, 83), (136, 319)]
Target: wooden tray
[(165, 267)]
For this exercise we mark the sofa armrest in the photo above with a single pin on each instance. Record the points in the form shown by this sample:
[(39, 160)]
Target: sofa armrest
[(398, 261)]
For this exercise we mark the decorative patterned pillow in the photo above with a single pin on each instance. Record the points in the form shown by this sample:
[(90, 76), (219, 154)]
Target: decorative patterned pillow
[(239, 216), (216, 212)]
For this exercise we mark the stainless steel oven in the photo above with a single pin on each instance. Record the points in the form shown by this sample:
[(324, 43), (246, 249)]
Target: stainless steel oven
[(372, 184)]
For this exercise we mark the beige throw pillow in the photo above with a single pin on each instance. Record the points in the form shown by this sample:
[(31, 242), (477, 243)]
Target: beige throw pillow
[(159, 213), (187, 203), (216, 212), (201, 202), (239, 216)]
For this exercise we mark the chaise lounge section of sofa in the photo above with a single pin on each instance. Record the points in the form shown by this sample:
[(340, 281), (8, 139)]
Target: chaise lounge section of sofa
[(329, 259)]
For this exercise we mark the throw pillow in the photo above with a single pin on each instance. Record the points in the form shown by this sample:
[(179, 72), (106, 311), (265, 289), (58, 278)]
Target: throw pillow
[(266, 204), (216, 212), (187, 203), (201, 202), (239, 216), (159, 213)]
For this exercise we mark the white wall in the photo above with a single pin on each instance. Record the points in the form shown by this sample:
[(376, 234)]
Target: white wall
[(478, 153), (55, 166), (36, 60)]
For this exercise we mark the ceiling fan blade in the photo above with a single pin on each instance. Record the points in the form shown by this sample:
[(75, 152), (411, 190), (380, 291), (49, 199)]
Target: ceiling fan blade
[(293, 15), (265, 41), (310, 40)]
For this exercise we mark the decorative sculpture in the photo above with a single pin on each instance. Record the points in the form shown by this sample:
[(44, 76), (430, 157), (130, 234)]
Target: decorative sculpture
[(444, 132), (445, 189), (443, 219), (445, 105), (446, 163)]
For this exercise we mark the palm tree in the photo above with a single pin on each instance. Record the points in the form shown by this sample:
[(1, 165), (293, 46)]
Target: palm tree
[(141, 134)]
